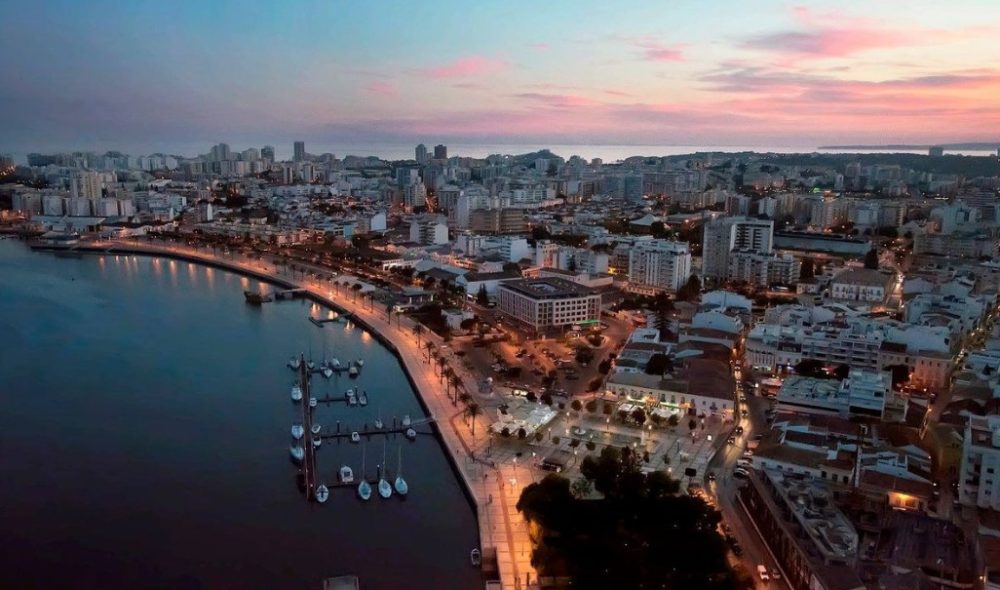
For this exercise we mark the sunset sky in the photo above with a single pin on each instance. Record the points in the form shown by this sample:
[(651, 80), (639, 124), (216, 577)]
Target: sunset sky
[(138, 75)]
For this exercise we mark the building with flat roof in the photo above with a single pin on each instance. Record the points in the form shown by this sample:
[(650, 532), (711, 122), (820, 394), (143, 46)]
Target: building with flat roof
[(658, 265), (980, 475), (548, 303)]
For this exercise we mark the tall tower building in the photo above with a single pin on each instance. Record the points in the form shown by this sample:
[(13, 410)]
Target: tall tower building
[(267, 152), (421, 154), (299, 151), (440, 152), (725, 235)]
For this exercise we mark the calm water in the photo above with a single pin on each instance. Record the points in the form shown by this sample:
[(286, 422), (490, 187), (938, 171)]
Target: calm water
[(144, 431)]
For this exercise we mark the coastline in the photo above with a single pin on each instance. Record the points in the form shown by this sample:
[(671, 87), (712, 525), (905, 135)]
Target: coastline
[(429, 394)]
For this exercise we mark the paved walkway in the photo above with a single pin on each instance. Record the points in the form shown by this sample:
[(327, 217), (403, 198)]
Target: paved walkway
[(495, 487)]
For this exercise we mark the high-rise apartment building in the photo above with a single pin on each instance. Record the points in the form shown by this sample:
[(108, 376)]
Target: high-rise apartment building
[(299, 152), (267, 152), (659, 265), (440, 152), (421, 154), (727, 234)]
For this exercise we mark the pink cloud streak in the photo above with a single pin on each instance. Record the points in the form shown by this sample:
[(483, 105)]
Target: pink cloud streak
[(383, 88), (473, 65)]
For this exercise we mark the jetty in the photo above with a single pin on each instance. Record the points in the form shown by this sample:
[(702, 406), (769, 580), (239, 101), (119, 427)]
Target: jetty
[(309, 460)]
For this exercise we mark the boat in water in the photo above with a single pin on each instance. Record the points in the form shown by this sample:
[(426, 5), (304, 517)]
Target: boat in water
[(297, 453), (363, 398), (400, 484), (312, 402), (327, 372), (316, 428), (293, 363), (364, 488), (355, 437), (352, 371), (334, 363), (406, 420), (322, 493), (411, 434), (346, 474), (317, 441), (352, 399), (296, 393), (476, 557), (384, 489), (378, 422), (311, 365), (360, 362), (297, 431)]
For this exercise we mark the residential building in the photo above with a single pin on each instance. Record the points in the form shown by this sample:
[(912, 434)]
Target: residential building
[(299, 151), (428, 230), (727, 234), (659, 265), (863, 285), (979, 479)]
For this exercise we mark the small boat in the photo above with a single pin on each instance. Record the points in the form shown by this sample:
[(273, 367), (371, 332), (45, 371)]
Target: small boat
[(378, 423), (327, 372), (363, 398), (316, 428), (322, 493), (384, 489), (293, 363), (355, 437), (406, 420), (346, 474), (352, 371), (411, 434), (364, 488), (311, 365), (334, 364), (297, 431), (297, 453), (400, 483), (352, 400), (360, 362), (296, 393), (476, 557), (317, 441), (312, 402)]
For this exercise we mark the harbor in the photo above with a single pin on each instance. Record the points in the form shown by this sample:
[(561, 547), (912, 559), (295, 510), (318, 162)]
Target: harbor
[(504, 537), (206, 448)]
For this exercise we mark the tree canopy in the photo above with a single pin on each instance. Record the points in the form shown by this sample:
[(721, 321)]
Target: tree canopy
[(641, 534)]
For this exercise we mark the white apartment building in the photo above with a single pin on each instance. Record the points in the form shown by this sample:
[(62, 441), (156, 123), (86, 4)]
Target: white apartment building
[(724, 235), (862, 285), (763, 269), (428, 231), (659, 265), (980, 475), (545, 303)]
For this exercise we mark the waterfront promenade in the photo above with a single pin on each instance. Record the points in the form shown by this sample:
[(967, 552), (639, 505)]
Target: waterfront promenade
[(494, 484)]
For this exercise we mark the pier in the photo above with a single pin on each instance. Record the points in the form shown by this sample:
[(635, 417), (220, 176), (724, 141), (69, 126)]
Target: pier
[(309, 460), (290, 294)]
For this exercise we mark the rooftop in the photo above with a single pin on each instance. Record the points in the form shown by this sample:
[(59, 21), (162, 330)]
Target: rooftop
[(548, 288)]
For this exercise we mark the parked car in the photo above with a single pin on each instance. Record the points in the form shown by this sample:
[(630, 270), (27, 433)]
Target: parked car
[(762, 572)]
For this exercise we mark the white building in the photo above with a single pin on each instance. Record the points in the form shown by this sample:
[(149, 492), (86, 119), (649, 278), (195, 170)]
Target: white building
[(544, 303), (659, 265), (727, 234), (980, 475), (862, 285), (428, 231)]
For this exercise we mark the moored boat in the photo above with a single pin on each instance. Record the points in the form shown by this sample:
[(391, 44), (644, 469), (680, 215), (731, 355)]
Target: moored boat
[(317, 441), (297, 431), (327, 372), (400, 484), (312, 402), (296, 393), (322, 493), (346, 474), (355, 437), (297, 453), (411, 434), (316, 428), (476, 557), (363, 398)]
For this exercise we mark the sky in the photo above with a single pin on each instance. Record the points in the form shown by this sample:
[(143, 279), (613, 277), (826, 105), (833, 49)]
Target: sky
[(144, 76)]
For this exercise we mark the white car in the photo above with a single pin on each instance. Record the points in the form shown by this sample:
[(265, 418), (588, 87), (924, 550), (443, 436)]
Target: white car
[(762, 572)]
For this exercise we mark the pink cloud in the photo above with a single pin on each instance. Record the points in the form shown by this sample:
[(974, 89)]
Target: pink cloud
[(616, 93), (383, 88), (474, 65), (539, 46), (559, 101), (656, 51)]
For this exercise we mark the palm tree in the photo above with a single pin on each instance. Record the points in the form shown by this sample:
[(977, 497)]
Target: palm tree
[(464, 397), (429, 348), (418, 329), (454, 379), (441, 364), (356, 287), (473, 410)]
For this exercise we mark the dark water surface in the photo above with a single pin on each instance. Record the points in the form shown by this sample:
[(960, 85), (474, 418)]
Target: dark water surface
[(144, 432)]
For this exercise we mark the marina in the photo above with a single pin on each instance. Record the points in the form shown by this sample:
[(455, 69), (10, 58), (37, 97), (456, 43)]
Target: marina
[(246, 486)]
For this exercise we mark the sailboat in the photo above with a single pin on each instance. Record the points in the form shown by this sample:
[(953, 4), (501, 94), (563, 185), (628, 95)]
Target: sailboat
[(384, 489), (296, 393), (293, 363), (327, 372), (400, 483), (322, 493), (361, 362), (406, 420), (363, 398), (317, 441), (297, 431), (352, 371), (364, 488), (297, 453), (378, 420), (352, 400)]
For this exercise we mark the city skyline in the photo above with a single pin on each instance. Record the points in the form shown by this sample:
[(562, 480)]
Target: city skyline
[(792, 74)]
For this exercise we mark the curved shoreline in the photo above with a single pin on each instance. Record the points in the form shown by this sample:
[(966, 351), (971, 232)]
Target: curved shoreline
[(454, 451)]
